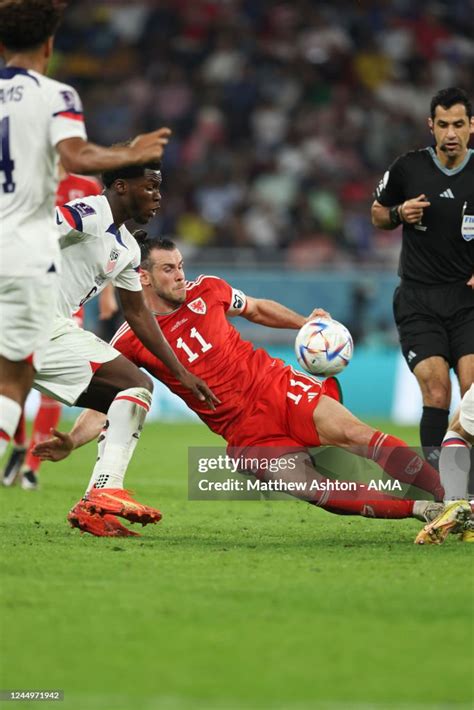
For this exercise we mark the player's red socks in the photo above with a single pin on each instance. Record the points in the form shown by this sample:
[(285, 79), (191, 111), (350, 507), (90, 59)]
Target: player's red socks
[(47, 418), (404, 464), (370, 504)]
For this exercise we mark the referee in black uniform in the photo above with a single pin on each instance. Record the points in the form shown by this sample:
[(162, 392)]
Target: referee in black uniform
[(431, 193)]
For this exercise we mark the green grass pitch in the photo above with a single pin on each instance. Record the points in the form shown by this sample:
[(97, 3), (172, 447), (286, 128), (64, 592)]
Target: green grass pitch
[(227, 605)]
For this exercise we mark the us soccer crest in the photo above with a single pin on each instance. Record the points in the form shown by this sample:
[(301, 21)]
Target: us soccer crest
[(198, 306), (113, 256)]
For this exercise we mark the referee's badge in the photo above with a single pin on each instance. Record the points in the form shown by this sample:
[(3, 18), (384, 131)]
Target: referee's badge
[(467, 226)]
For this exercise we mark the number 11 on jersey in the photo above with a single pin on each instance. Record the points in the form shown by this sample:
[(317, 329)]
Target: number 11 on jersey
[(180, 344)]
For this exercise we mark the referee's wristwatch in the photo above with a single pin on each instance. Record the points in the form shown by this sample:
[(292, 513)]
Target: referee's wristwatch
[(395, 217)]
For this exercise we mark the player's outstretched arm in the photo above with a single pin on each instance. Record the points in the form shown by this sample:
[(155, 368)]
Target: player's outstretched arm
[(87, 427), (274, 315), (147, 330), (80, 156)]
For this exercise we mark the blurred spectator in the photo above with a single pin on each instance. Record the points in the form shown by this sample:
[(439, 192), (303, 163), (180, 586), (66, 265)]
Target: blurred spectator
[(283, 113)]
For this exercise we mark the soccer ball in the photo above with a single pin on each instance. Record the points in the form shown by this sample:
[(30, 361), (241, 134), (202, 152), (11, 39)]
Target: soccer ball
[(323, 347)]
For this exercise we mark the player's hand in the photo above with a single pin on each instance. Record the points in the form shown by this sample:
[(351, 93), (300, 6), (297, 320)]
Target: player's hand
[(199, 388), (318, 313), (55, 449), (411, 211), (471, 281), (149, 147)]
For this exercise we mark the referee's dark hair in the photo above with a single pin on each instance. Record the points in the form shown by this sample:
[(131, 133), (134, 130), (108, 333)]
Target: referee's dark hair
[(26, 24), (449, 97)]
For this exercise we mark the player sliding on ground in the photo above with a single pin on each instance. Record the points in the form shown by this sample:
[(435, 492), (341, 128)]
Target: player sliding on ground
[(263, 403), (81, 369)]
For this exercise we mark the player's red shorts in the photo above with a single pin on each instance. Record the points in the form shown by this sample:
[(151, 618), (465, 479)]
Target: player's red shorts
[(282, 415)]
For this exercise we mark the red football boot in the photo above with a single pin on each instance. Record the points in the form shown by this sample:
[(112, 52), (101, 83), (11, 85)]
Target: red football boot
[(99, 525), (118, 501)]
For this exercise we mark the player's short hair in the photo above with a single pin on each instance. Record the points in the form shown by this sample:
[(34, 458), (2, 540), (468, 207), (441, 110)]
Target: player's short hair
[(26, 24), (449, 97), (147, 245), (128, 172)]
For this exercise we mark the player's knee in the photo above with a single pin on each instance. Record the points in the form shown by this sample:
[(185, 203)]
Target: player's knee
[(436, 394), (356, 433), (148, 384), (143, 380)]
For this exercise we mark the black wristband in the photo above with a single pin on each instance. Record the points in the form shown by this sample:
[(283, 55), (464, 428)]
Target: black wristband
[(394, 214)]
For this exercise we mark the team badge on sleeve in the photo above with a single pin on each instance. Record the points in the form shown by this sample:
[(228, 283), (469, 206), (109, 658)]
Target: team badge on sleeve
[(198, 306), (238, 302)]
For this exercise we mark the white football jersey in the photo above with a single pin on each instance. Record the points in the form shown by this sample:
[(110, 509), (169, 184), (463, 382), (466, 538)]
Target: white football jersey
[(94, 252), (36, 114)]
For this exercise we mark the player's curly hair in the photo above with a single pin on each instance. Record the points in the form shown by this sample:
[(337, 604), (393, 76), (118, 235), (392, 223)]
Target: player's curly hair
[(449, 97), (147, 245), (26, 24)]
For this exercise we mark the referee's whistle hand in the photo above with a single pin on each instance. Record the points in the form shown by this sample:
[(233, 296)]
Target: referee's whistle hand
[(411, 211)]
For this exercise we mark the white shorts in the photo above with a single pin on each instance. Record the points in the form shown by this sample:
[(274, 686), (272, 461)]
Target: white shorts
[(466, 415), (72, 357), (27, 307)]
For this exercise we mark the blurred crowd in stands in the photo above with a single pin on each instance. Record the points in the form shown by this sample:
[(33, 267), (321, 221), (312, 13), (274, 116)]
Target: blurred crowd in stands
[(284, 114)]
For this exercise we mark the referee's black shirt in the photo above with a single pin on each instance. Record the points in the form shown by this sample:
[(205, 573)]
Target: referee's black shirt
[(433, 251)]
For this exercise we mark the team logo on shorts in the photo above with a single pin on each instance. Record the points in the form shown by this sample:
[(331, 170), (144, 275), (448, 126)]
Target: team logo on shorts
[(198, 306), (113, 256)]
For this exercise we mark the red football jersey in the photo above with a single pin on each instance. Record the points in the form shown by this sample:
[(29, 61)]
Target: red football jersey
[(75, 186), (211, 348)]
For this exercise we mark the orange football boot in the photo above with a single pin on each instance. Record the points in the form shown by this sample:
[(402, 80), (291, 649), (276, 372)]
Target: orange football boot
[(99, 525), (118, 501)]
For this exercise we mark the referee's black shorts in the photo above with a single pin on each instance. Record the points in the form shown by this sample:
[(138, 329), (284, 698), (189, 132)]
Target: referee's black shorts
[(434, 320)]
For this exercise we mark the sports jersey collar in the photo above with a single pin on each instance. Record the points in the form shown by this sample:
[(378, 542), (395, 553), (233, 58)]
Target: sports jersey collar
[(10, 72), (452, 171), (170, 313)]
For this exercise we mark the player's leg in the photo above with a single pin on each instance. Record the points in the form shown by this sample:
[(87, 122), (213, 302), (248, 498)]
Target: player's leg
[(26, 307), (16, 379), (337, 426), (455, 463), (47, 418), (128, 390), (81, 369), (465, 372), (343, 497), (17, 455)]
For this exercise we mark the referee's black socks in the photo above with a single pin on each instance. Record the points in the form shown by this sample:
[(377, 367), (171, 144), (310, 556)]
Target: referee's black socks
[(433, 426)]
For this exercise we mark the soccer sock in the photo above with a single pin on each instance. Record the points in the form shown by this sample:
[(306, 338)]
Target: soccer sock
[(433, 425), (454, 465), (19, 437), (47, 418), (10, 413), (402, 463), (117, 441), (361, 502)]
